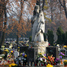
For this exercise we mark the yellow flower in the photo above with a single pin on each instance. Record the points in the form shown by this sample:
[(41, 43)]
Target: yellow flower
[(9, 56), (3, 46), (65, 46), (40, 53), (65, 60), (11, 51), (21, 54), (25, 55), (27, 45), (12, 64), (6, 50), (44, 57), (49, 65), (18, 47)]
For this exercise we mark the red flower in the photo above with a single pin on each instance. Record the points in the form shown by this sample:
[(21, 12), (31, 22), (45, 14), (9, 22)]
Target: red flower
[(35, 64), (45, 64), (51, 63), (41, 64), (54, 63)]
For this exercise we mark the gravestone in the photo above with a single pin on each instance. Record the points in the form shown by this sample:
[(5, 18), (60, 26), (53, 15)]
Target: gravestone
[(32, 54), (24, 49), (52, 51)]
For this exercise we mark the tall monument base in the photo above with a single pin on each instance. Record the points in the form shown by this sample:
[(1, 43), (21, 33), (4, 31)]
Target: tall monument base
[(40, 46)]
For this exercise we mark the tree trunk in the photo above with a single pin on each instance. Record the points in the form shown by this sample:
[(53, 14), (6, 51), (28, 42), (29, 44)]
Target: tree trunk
[(64, 6), (5, 22), (1, 21), (3, 38), (65, 12), (51, 15), (51, 10), (43, 5), (20, 17)]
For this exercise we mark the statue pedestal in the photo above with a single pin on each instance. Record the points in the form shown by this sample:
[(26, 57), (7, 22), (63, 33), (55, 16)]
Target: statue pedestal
[(40, 46)]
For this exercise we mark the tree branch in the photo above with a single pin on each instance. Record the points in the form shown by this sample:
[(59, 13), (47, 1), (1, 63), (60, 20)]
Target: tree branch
[(64, 3), (7, 1), (43, 4), (61, 3)]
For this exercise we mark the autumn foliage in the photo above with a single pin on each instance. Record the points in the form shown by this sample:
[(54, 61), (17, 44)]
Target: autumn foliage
[(22, 25)]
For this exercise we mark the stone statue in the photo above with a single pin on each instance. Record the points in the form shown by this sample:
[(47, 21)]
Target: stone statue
[(38, 28), (38, 25)]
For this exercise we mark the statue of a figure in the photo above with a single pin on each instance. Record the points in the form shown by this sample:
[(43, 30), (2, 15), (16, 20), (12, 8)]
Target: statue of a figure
[(38, 25)]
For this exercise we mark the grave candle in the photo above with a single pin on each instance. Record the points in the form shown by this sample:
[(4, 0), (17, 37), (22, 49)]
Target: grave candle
[(29, 63), (32, 63), (38, 63), (22, 62)]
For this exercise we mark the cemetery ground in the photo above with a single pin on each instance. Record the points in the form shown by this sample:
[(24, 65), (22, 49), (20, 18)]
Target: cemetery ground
[(19, 17), (26, 56)]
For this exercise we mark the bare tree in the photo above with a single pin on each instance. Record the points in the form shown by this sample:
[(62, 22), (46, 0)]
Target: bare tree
[(63, 4), (3, 21)]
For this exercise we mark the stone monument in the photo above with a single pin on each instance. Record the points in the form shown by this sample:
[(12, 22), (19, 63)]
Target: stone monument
[(38, 28)]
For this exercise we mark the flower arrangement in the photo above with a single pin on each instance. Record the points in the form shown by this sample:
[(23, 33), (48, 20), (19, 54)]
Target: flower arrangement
[(0, 58), (41, 58), (6, 50), (12, 52), (57, 60), (23, 57), (65, 46), (61, 55), (23, 54), (50, 60), (2, 55), (12, 64), (18, 48), (2, 47), (65, 62), (9, 56)]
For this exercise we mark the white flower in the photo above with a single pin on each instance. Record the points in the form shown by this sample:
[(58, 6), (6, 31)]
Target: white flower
[(40, 59)]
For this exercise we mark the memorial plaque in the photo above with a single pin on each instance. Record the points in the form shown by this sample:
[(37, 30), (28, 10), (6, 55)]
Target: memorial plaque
[(52, 51)]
